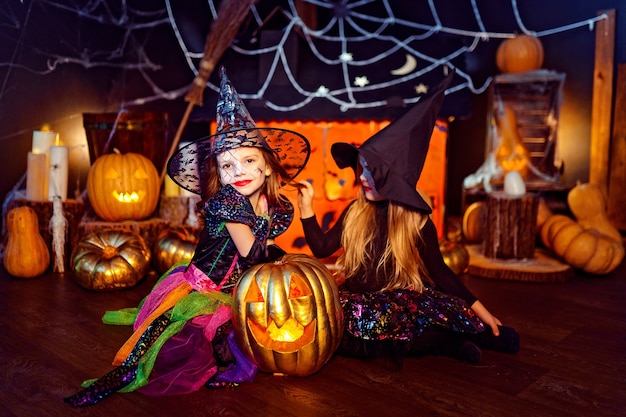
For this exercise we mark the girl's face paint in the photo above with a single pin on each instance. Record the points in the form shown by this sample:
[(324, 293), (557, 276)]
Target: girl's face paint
[(367, 182), (244, 168)]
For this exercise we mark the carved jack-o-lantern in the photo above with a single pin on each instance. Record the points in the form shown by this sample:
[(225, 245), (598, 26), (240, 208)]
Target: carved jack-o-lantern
[(123, 187), (287, 315)]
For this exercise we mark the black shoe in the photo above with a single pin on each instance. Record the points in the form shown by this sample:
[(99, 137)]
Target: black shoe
[(507, 342)]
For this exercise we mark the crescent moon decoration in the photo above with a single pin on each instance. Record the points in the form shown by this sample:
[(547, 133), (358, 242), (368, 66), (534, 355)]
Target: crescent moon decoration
[(408, 67)]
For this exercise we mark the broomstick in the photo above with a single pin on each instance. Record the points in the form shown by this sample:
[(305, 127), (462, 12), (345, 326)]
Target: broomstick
[(230, 15)]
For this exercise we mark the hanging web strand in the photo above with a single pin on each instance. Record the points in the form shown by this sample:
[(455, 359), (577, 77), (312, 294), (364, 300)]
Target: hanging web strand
[(350, 25)]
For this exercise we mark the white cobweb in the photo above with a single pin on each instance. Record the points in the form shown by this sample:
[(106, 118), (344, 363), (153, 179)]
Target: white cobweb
[(350, 39)]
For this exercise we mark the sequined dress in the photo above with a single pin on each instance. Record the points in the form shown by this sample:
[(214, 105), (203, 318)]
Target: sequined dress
[(397, 316), (183, 336)]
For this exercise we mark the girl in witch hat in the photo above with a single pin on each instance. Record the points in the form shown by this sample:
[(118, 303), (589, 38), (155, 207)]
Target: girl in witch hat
[(183, 337), (399, 296)]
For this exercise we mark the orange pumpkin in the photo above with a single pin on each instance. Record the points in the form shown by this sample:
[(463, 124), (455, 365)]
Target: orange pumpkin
[(519, 54), (287, 315), (26, 254), (123, 187)]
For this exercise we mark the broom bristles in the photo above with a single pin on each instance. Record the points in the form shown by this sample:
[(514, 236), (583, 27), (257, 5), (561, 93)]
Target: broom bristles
[(231, 14)]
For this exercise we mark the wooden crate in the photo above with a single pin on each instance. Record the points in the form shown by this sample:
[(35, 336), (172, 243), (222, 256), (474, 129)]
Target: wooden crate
[(536, 97)]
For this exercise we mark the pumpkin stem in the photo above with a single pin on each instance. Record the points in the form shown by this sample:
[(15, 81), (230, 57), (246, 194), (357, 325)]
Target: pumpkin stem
[(109, 252)]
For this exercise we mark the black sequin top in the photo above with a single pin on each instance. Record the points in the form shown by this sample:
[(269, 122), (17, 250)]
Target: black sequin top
[(215, 252)]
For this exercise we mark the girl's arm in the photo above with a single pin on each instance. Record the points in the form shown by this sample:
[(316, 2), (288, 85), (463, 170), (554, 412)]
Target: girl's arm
[(322, 244), (486, 317), (242, 237)]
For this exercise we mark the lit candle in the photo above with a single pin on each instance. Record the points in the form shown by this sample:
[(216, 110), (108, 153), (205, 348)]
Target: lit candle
[(59, 170), (36, 177), (171, 188), (43, 140)]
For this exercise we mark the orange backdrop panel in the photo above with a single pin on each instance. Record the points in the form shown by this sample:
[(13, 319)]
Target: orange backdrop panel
[(334, 187)]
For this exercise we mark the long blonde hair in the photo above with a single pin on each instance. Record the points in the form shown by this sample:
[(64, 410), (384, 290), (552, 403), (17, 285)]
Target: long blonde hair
[(404, 229)]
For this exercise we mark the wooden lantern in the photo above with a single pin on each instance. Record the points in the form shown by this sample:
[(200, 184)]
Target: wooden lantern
[(287, 315)]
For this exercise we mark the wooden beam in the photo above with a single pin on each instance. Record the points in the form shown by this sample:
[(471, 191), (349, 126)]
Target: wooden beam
[(602, 100), (617, 174)]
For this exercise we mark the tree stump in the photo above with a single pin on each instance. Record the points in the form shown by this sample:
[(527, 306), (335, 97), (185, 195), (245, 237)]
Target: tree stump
[(510, 229)]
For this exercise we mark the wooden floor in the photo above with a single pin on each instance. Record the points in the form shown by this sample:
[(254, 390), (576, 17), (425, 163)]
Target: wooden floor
[(572, 361)]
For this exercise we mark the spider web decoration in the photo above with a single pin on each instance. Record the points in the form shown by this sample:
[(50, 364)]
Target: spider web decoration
[(355, 57)]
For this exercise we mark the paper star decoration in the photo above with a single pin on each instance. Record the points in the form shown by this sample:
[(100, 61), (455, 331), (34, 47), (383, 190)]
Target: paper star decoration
[(345, 57), (361, 81), (421, 88)]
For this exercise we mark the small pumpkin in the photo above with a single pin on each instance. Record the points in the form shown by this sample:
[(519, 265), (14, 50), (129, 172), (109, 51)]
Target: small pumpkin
[(174, 245), (519, 54), (110, 260), (455, 255), (26, 254), (123, 187), (287, 315), (473, 224)]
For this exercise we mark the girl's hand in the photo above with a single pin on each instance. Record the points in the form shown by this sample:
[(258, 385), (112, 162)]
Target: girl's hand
[(486, 317), (305, 199)]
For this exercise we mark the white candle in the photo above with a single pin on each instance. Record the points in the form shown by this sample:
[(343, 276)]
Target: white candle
[(43, 140), (36, 177), (59, 170), (171, 188)]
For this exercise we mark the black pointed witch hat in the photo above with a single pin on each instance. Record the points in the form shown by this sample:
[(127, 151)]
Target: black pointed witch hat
[(235, 128), (396, 154)]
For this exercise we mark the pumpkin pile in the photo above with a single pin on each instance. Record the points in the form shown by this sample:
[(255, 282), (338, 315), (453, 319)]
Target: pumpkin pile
[(589, 242)]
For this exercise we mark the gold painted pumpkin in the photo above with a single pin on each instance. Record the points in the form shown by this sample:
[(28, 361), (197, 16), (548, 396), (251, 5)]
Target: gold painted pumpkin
[(110, 260), (123, 187), (287, 315), (519, 54), (455, 255), (26, 254), (174, 245)]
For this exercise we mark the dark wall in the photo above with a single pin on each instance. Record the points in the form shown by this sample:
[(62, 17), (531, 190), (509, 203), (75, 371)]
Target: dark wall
[(60, 95)]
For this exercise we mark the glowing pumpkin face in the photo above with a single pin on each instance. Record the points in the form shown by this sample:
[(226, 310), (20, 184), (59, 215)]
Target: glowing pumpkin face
[(287, 315), (123, 187)]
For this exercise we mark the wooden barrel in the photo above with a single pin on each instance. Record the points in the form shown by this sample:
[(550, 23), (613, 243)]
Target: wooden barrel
[(146, 133)]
